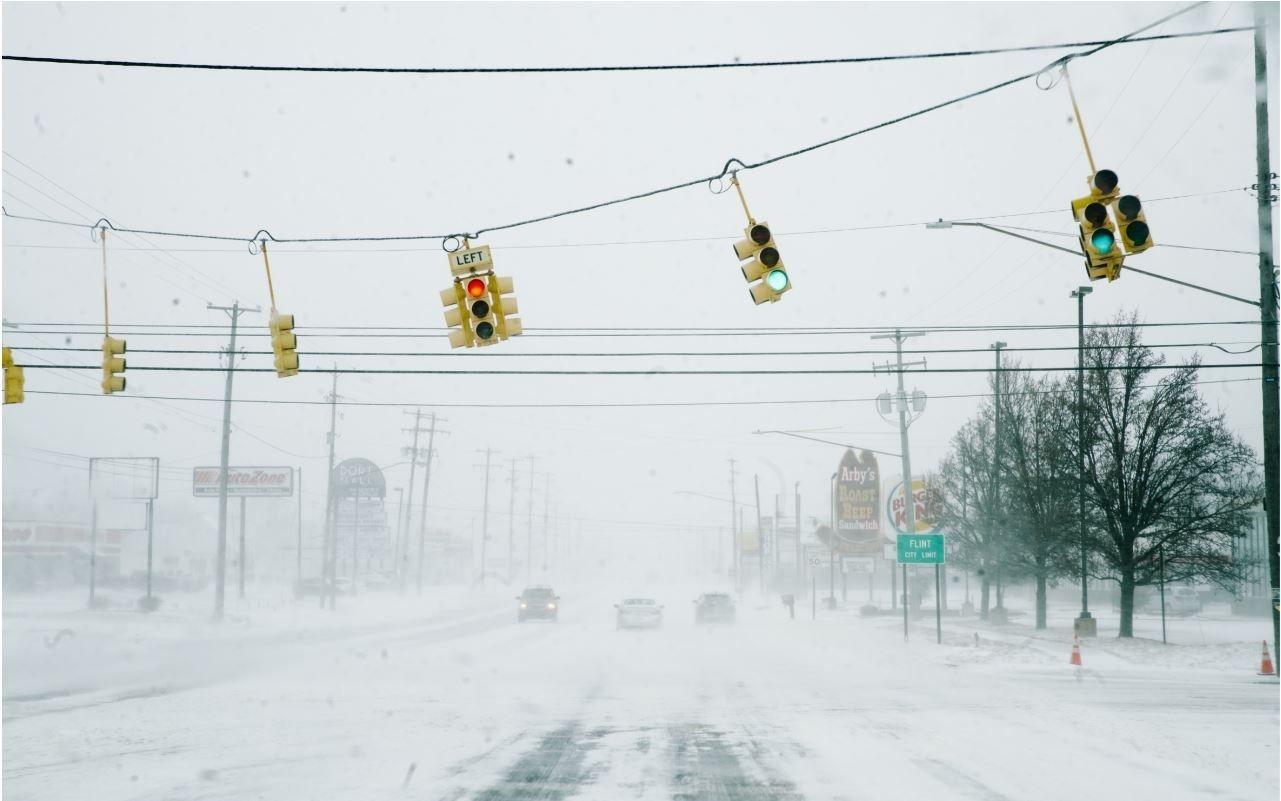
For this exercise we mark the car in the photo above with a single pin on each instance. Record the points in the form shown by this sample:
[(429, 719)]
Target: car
[(1179, 602), (714, 607), (639, 613), (538, 601)]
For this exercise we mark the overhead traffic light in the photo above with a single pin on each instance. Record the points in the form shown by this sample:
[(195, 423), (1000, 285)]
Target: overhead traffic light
[(475, 307), (762, 263), (1103, 256), (13, 379), (113, 368), (284, 343), (1136, 237)]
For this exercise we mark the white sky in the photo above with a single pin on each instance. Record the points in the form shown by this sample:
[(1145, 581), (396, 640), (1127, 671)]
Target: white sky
[(323, 154)]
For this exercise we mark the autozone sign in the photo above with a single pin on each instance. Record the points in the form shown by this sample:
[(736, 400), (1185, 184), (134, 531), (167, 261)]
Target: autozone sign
[(244, 481)]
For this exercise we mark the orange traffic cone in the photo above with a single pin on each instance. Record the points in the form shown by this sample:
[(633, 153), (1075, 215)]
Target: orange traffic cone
[(1265, 667), (1076, 651)]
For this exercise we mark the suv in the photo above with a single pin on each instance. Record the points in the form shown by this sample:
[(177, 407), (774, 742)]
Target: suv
[(714, 607), (538, 601)]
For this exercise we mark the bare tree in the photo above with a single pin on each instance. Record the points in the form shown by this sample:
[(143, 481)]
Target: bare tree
[(1163, 473), (1039, 478)]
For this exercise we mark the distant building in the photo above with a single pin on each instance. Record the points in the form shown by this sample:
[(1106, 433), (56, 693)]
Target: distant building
[(1251, 553), (38, 554)]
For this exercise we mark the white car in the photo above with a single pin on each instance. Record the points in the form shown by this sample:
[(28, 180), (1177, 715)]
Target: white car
[(639, 613)]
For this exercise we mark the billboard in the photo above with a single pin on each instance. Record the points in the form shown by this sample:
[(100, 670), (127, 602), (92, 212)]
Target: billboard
[(275, 482), (926, 507), (858, 506), (359, 478)]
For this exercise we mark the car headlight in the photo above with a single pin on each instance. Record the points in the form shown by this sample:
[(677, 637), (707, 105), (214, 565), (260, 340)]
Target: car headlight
[(523, 605), (551, 605)]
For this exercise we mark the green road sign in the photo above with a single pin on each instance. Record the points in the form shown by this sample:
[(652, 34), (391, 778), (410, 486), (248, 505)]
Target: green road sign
[(920, 549)]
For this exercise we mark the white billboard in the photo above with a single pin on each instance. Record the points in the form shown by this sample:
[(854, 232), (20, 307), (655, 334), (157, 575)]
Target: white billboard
[(275, 482)]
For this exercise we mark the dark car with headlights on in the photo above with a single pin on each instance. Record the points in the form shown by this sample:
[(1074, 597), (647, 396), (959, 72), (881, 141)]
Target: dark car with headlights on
[(538, 602)]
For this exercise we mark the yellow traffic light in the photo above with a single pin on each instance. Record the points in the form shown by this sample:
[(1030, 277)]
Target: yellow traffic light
[(113, 368), (505, 306), (1136, 237), (763, 264), (1103, 257), (284, 343), (13, 379), (477, 311)]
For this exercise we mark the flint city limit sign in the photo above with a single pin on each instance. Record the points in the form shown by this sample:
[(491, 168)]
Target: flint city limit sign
[(920, 549)]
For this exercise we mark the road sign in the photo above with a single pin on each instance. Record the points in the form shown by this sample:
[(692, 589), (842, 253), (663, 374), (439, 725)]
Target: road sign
[(359, 478), (857, 565), (471, 260), (920, 549)]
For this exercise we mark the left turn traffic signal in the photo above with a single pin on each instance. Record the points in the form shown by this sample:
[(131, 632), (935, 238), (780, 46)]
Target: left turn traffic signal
[(284, 344), (113, 367), (13, 379)]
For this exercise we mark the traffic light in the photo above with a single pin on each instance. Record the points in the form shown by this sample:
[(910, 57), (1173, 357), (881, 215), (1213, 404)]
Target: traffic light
[(111, 365), (1136, 237), (13, 379), (284, 343), (1103, 256), (763, 264), (477, 311)]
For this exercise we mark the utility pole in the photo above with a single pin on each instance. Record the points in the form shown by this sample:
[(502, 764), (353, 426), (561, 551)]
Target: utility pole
[(529, 534), (997, 517), (909, 503), (1268, 299), (402, 556), (220, 588), (511, 526), (422, 521), (737, 559), (484, 517), (1085, 624), (547, 494), (400, 533), (241, 560), (327, 567), (799, 587), (760, 533)]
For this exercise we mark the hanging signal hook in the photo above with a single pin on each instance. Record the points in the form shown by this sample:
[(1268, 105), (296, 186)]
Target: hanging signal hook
[(102, 224), (263, 235)]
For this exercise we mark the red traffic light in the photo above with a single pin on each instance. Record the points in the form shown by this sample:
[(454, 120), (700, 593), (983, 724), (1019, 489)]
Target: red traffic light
[(476, 288)]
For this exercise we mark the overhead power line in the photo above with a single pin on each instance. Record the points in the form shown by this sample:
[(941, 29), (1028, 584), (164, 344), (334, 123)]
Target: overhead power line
[(263, 234), (653, 372), (808, 62), (572, 405)]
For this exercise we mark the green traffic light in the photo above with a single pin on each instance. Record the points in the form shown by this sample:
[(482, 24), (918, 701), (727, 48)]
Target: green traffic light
[(776, 280), (1103, 241)]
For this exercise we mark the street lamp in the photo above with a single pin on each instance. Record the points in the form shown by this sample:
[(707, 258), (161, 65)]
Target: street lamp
[(1085, 625)]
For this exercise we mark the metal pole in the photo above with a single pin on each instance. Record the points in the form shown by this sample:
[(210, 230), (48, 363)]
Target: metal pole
[(774, 546), (1160, 553), (831, 545), (760, 533), (1080, 294), (150, 542), (813, 596), (938, 606), (547, 494), (422, 521), (484, 520), (799, 583), (733, 521), (93, 553), (904, 602), (1268, 299), (511, 527), (298, 489), (996, 466), (242, 549), (355, 538), (529, 534), (326, 574)]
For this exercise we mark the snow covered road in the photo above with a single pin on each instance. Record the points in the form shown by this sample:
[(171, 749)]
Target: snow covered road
[(772, 708)]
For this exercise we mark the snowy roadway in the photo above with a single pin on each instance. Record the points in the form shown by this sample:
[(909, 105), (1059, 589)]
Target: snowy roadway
[(470, 705)]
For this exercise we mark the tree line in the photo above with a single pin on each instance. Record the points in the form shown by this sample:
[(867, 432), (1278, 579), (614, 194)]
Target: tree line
[(1164, 480)]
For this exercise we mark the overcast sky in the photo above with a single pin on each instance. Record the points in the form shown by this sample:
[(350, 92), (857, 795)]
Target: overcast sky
[(332, 155)]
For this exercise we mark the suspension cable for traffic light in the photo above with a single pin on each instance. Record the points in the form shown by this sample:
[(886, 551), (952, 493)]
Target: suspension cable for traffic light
[(654, 354), (263, 234)]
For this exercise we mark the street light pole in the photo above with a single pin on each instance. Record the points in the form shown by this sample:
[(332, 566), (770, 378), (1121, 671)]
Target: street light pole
[(1086, 626)]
